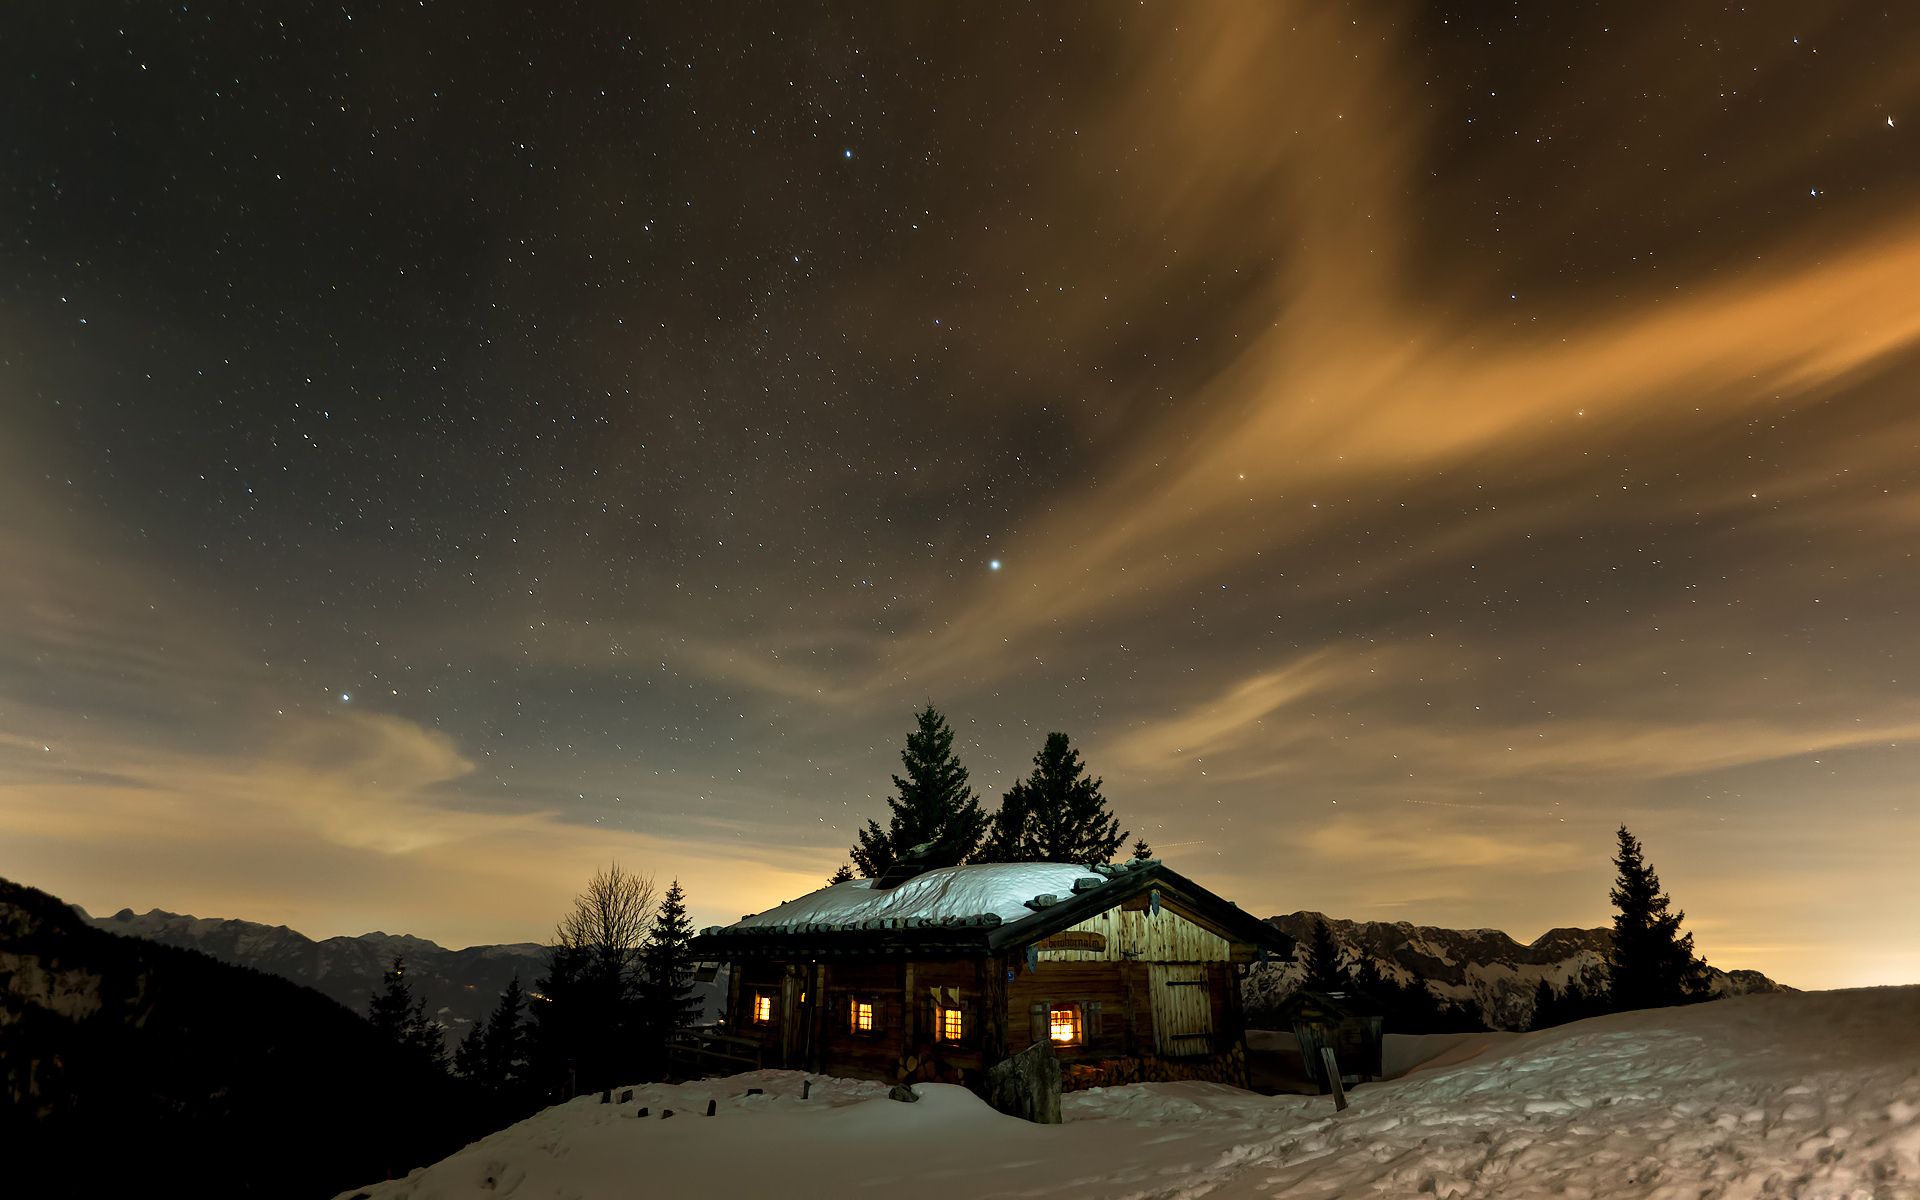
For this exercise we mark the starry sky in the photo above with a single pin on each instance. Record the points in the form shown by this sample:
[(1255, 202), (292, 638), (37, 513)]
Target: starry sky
[(445, 447)]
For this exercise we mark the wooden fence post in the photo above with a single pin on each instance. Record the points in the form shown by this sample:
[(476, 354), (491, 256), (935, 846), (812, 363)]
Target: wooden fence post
[(1333, 1077)]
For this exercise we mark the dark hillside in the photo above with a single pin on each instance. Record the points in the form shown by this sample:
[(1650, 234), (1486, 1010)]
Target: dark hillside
[(132, 1064)]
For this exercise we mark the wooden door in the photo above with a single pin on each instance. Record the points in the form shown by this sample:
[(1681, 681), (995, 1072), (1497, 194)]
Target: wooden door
[(1182, 1009)]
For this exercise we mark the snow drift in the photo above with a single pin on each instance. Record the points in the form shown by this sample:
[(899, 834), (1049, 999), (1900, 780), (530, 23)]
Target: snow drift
[(1808, 1094)]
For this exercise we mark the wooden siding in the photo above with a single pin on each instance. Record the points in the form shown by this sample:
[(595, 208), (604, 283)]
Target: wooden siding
[(1125, 1006), (1139, 935), (1182, 1009)]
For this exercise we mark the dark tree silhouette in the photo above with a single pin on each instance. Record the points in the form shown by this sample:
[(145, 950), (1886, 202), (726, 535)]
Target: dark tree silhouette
[(1141, 849), (494, 1054), (841, 874), (671, 1003), (934, 803), (1324, 971), (1575, 1002), (591, 1016), (1413, 1006), (1054, 815), (1652, 964), (403, 1021)]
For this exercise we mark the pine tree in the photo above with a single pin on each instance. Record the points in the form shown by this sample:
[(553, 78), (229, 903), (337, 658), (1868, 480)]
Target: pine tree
[(934, 803), (841, 874), (1559, 1006), (1652, 964), (504, 1045), (671, 1003), (470, 1058), (1055, 814), (1141, 849), (403, 1020), (1546, 1007), (1006, 830), (1324, 972)]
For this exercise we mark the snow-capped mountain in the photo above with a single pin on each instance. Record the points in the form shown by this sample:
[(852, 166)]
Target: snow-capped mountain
[(1484, 967)]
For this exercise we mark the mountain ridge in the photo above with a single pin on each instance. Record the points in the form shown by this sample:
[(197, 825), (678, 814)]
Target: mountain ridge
[(1487, 968), (459, 987)]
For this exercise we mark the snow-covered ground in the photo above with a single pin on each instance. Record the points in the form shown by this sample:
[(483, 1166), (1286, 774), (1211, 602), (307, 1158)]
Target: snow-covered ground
[(1807, 1095)]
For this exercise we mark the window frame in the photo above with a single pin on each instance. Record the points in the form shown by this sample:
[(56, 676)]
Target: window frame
[(878, 1014), (949, 1024), (762, 997), (1076, 1020)]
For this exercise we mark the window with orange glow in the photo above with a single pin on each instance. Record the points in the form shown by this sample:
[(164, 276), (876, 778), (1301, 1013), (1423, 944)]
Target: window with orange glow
[(1063, 1022), (762, 1009), (951, 1025), (863, 1016)]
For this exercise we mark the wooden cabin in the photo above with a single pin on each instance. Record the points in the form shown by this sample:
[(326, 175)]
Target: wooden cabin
[(1131, 971)]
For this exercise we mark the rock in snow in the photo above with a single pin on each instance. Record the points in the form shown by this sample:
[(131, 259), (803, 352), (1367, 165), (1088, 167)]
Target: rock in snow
[(1807, 1094)]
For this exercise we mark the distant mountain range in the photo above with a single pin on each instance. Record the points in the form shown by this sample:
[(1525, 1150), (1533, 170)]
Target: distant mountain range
[(131, 1068), (459, 986), (1483, 967)]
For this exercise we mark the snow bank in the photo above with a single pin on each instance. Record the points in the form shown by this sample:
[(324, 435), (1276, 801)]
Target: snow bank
[(1002, 889), (1808, 1095)]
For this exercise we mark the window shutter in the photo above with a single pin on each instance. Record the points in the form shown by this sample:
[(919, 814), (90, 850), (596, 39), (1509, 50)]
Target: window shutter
[(1037, 1021), (1089, 1020)]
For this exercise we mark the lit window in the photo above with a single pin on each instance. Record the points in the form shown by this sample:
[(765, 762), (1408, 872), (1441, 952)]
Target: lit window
[(950, 1025), (762, 1009), (863, 1016), (1064, 1023)]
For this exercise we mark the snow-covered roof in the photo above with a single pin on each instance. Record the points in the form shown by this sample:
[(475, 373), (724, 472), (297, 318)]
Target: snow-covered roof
[(1002, 889)]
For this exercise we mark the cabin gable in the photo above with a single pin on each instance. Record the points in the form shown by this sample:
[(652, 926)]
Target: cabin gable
[(1135, 934)]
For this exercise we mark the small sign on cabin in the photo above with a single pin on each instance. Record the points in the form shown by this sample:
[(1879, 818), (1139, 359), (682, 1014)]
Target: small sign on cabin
[(1075, 939)]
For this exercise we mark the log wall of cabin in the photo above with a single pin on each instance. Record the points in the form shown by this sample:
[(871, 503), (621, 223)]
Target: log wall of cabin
[(820, 1036), (756, 976), (1126, 1006)]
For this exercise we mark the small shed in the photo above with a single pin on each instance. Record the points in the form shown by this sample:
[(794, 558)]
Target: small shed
[(1348, 1022), (1130, 971)]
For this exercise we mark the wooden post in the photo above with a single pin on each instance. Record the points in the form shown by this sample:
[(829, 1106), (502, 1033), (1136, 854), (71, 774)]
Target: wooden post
[(791, 1034), (1126, 979), (909, 1010), (817, 1028), (1333, 1077), (1236, 1021), (993, 1009), (735, 1018)]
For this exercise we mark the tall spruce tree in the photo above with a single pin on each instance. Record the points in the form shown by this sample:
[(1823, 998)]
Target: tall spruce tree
[(1056, 814), (1652, 964), (934, 803), (494, 1053), (671, 1003), (1324, 971), (403, 1019)]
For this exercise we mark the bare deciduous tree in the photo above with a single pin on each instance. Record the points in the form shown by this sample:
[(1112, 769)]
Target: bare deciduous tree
[(609, 920), (590, 1012)]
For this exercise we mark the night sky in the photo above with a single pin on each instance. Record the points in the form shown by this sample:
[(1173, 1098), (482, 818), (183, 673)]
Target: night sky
[(447, 447)]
